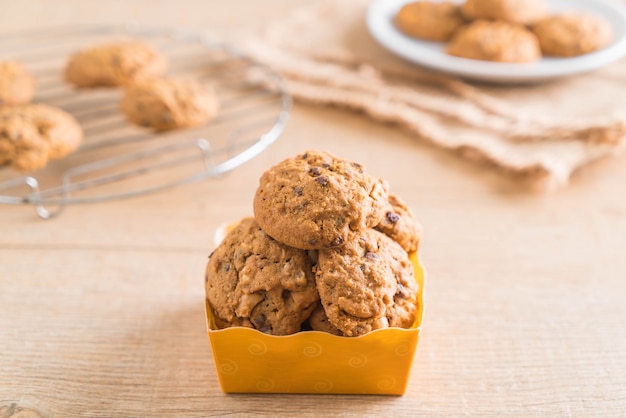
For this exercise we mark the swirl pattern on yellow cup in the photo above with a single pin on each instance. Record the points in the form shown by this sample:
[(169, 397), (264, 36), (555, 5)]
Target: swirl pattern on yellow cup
[(312, 350), (258, 348), (228, 367)]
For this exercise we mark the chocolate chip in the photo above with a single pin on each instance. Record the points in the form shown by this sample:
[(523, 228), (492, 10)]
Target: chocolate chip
[(259, 321), (326, 165), (266, 329), (211, 255), (393, 217), (337, 241), (370, 255), (315, 171), (297, 190), (313, 241), (322, 180), (227, 267), (358, 167), (305, 156), (206, 278)]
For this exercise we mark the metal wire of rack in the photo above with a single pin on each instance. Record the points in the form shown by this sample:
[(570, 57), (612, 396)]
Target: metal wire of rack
[(119, 160)]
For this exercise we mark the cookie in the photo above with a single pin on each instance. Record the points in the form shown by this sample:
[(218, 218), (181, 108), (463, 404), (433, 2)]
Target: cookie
[(316, 200), (367, 284), (113, 64), (32, 134), (318, 321), (433, 21), (164, 103), (495, 41), (254, 281), (401, 224), (515, 11), (17, 86), (572, 34)]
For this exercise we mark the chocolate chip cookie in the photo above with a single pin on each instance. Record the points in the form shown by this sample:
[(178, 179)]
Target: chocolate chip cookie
[(17, 86), (401, 224), (113, 64), (32, 134), (572, 34), (166, 103), (433, 21), (367, 284), (316, 200), (515, 11), (495, 41), (254, 281)]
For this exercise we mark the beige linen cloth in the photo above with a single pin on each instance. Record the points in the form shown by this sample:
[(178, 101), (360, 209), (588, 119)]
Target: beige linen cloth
[(540, 133)]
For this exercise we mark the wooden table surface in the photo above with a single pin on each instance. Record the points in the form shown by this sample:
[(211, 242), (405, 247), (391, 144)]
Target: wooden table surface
[(101, 309)]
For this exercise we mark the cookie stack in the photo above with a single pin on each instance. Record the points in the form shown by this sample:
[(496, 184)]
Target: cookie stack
[(503, 30), (328, 250)]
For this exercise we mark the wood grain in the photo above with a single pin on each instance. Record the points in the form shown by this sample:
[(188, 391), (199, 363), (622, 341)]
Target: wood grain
[(101, 309)]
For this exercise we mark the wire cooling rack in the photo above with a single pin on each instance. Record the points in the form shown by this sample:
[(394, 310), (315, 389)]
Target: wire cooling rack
[(120, 160)]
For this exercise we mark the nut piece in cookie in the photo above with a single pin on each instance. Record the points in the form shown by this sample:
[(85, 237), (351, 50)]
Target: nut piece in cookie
[(113, 64), (32, 134), (167, 103), (572, 34), (17, 86), (400, 224), (515, 11), (495, 41), (367, 284), (254, 281), (316, 200), (433, 21)]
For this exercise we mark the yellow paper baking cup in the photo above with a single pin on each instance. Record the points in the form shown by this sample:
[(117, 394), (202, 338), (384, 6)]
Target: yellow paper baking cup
[(379, 362)]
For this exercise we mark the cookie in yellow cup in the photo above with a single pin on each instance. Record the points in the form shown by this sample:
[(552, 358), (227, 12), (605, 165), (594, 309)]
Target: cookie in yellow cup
[(379, 362)]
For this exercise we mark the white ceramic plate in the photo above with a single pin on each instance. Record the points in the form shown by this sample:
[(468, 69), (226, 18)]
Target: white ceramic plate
[(381, 14)]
